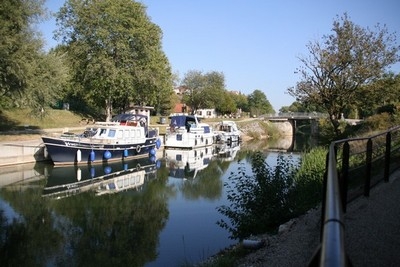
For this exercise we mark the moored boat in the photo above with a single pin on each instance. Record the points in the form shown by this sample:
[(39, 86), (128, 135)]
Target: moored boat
[(186, 131), (227, 132), (127, 136)]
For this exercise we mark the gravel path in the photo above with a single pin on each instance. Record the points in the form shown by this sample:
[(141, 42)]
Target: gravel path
[(372, 233)]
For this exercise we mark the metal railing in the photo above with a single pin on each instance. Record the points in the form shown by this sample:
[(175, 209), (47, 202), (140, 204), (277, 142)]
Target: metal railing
[(353, 166)]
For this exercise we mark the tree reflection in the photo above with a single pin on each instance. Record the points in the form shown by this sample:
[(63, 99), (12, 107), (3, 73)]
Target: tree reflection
[(84, 230)]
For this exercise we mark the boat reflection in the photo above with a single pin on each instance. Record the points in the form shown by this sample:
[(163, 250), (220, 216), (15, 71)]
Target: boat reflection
[(186, 163), (227, 151), (115, 177)]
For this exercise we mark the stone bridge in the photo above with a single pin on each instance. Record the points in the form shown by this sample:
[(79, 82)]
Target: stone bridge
[(287, 122)]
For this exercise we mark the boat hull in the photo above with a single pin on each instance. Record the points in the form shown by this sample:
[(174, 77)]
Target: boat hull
[(188, 140), (64, 151)]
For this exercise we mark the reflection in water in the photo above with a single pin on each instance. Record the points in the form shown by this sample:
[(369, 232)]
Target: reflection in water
[(110, 178), (186, 163), (64, 218)]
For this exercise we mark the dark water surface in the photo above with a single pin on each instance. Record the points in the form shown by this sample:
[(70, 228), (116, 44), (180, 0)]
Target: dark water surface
[(131, 213)]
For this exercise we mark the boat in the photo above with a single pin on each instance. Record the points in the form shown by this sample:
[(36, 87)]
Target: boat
[(227, 132), (70, 180), (127, 135), (187, 163), (187, 131)]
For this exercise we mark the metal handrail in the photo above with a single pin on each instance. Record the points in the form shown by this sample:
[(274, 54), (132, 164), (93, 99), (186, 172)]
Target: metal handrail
[(331, 251)]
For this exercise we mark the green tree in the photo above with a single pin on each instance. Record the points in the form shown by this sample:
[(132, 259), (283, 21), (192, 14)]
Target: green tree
[(228, 105), (381, 93), (20, 45), (241, 101), (259, 104), (115, 51), (339, 65), (204, 90)]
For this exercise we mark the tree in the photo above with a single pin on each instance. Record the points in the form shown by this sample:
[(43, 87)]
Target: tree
[(241, 101), (204, 90), (259, 103), (228, 105), (381, 93), (19, 45), (115, 52), (341, 64)]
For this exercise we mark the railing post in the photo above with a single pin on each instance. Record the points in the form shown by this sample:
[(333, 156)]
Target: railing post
[(344, 178), (387, 156), (368, 160)]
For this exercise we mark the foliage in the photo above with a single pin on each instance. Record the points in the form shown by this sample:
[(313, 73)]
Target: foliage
[(378, 122), (259, 202), (337, 68), (28, 77), (204, 90), (300, 107), (259, 104), (241, 101), (309, 179), (115, 52)]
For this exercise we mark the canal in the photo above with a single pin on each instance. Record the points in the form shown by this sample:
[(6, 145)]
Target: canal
[(131, 213)]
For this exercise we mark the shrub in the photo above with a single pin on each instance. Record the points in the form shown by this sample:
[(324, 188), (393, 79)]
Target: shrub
[(259, 202)]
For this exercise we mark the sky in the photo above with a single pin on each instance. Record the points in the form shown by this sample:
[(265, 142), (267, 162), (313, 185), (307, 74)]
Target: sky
[(256, 44)]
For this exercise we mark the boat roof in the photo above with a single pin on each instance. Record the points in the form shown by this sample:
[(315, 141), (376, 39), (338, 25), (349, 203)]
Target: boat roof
[(128, 117), (180, 120)]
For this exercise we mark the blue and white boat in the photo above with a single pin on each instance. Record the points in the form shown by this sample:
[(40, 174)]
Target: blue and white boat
[(187, 132), (127, 136)]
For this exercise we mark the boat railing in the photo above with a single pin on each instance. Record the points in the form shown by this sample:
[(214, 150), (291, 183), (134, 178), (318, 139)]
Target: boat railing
[(353, 167)]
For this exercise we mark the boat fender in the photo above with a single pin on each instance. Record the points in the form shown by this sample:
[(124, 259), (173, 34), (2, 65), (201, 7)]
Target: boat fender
[(158, 164), (78, 155), (138, 148), (92, 172), (158, 143), (195, 142), (78, 174), (92, 156), (107, 154), (152, 152), (107, 170), (153, 159), (126, 153)]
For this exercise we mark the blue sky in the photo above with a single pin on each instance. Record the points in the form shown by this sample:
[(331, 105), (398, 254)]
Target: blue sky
[(254, 43)]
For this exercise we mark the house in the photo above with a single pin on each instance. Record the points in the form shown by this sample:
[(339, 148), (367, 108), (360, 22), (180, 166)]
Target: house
[(206, 113)]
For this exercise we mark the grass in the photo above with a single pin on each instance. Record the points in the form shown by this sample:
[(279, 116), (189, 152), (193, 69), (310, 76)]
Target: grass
[(17, 124)]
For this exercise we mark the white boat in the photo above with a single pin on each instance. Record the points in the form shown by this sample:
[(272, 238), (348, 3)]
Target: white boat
[(186, 131), (227, 132), (128, 135)]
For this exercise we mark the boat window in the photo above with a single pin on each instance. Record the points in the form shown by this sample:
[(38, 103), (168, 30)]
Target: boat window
[(103, 132), (111, 133), (126, 134), (206, 129)]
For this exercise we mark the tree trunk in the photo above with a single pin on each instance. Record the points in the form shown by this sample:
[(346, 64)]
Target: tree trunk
[(108, 109)]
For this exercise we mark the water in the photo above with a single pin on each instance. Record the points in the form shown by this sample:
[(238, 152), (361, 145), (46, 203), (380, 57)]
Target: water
[(164, 215)]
